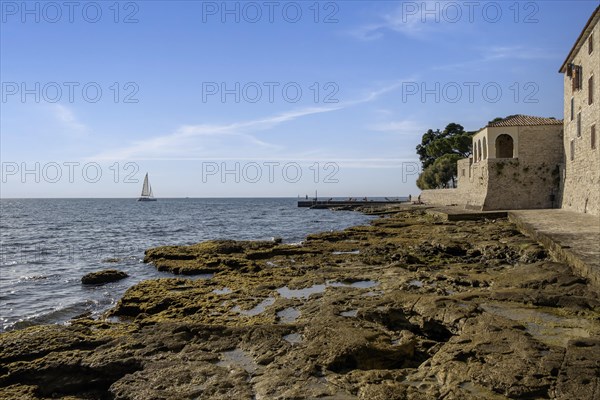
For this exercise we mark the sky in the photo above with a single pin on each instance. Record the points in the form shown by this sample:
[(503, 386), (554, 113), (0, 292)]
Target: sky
[(261, 99)]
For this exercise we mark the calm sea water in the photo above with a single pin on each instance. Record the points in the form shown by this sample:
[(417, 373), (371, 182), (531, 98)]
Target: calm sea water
[(47, 245)]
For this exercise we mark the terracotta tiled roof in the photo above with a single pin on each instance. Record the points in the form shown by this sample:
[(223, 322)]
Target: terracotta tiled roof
[(525, 120)]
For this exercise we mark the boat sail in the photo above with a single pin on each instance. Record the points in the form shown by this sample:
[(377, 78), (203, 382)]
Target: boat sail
[(146, 191)]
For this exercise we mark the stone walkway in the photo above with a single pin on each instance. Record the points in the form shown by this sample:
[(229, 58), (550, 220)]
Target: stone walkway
[(455, 213), (571, 237)]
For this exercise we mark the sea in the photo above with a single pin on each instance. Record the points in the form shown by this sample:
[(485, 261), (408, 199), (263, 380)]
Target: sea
[(47, 245)]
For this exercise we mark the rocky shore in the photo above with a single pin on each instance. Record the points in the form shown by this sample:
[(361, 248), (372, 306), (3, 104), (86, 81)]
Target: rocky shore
[(408, 307)]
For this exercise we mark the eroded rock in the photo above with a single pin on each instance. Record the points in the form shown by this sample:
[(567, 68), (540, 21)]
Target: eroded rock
[(454, 310), (104, 276)]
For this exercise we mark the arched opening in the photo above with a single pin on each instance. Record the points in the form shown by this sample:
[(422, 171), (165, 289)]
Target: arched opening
[(504, 146), (474, 152), (479, 149), (484, 149)]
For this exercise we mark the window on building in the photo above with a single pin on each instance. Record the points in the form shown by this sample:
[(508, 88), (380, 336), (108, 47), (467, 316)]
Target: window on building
[(572, 108), (591, 43), (578, 124), (593, 137), (572, 149), (591, 90), (462, 172), (504, 146), (577, 80), (479, 149)]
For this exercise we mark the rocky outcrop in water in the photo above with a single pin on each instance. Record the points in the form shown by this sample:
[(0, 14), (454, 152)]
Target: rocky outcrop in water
[(409, 307), (104, 276)]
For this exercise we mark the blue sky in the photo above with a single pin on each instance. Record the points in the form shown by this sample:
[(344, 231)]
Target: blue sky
[(347, 88)]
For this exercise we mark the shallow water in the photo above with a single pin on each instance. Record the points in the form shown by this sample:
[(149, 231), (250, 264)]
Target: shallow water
[(258, 309), (304, 293), (288, 316), (349, 313), (238, 358), (549, 328), (293, 338), (222, 291), (416, 283)]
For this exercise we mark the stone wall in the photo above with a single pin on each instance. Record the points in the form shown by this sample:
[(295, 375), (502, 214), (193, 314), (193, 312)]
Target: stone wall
[(471, 190), (501, 184), (475, 185), (514, 185), (582, 173), (443, 197), (541, 144), (469, 193)]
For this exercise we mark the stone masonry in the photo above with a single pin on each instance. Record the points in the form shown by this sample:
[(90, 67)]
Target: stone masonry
[(509, 169), (581, 71), (524, 162)]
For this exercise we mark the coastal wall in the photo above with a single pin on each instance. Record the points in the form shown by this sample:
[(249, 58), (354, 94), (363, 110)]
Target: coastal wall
[(470, 192), (474, 183), (582, 164), (513, 185), (501, 184), (443, 197)]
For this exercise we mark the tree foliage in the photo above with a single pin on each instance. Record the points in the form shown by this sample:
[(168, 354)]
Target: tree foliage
[(438, 153), (441, 174), (452, 140)]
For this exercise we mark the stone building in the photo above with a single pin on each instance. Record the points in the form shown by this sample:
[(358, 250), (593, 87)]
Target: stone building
[(581, 69), (516, 164), (525, 162)]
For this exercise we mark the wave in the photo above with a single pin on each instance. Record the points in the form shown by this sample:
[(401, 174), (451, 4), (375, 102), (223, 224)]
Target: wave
[(57, 316)]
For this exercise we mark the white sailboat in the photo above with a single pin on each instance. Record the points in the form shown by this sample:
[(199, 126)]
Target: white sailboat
[(146, 191)]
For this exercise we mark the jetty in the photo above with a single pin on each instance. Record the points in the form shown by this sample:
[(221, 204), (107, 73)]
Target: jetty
[(349, 203)]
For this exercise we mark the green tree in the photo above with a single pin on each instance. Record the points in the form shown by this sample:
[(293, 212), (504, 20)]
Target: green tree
[(441, 174), (452, 140), (438, 153)]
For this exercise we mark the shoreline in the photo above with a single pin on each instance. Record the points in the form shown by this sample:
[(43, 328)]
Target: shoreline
[(409, 306), (41, 270)]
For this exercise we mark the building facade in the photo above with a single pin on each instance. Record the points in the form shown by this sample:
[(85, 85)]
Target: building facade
[(581, 70), (525, 162), (516, 164)]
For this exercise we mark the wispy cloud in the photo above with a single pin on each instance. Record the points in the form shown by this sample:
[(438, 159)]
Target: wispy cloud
[(515, 52), (204, 139), (500, 53), (232, 140), (375, 94), (408, 19), (402, 127), (65, 116)]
